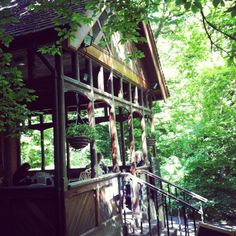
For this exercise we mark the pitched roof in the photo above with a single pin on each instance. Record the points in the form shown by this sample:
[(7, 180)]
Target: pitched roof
[(31, 21)]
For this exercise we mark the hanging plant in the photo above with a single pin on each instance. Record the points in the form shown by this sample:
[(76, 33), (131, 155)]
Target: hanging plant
[(80, 135)]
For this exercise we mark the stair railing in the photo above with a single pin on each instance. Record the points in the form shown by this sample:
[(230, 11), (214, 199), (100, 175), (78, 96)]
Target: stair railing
[(180, 192), (164, 200)]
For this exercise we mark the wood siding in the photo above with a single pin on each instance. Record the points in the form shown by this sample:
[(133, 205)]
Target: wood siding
[(91, 204), (27, 212)]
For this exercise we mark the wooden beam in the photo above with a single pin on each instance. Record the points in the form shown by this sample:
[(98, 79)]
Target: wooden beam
[(101, 79), (131, 138), (42, 145), (122, 138), (113, 138), (30, 63), (144, 140), (59, 144), (75, 65), (91, 118), (114, 64)]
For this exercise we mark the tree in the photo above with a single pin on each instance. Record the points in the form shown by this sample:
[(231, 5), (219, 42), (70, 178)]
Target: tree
[(196, 127)]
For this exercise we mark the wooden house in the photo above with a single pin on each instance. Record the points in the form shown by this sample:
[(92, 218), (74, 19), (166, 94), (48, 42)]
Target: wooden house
[(84, 79)]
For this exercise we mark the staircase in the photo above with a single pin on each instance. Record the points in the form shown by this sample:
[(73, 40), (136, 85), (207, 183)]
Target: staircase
[(163, 208)]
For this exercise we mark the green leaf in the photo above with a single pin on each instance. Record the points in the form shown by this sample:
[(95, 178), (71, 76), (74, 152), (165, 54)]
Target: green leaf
[(187, 5), (194, 9), (233, 12), (216, 2), (198, 4), (179, 2)]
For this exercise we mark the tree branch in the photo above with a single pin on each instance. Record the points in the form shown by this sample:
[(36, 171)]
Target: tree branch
[(215, 28), (209, 36)]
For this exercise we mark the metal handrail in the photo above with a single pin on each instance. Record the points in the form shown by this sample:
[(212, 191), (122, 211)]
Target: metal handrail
[(162, 192), (194, 195)]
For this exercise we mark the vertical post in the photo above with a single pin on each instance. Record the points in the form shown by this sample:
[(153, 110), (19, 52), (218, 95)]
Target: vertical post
[(166, 215), (75, 65), (149, 210), (144, 140), (136, 95), (30, 63), (113, 130), (170, 207), (120, 94), (91, 119), (131, 128), (67, 145), (122, 138), (59, 143), (101, 79), (42, 144), (113, 137), (131, 138), (185, 214)]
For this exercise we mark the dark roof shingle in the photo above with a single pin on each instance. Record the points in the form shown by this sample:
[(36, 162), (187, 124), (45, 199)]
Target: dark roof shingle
[(32, 21)]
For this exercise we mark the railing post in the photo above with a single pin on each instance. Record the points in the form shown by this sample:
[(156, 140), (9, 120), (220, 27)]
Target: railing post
[(167, 218), (194, 223), (185, 212), (141, 206), (170, 206), (157, 213), (178, 209), (202, 214), (149, 210), (125, 227)]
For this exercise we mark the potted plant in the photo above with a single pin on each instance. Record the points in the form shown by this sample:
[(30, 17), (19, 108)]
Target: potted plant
[(80, 135)]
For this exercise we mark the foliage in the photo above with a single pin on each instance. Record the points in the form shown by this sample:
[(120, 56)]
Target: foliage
[(83, 130), (31, 148), (196, 127), (13, 94), (103, 141), (13, 98)]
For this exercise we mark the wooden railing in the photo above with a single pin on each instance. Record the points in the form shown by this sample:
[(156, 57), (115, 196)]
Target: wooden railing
[(92, 202)]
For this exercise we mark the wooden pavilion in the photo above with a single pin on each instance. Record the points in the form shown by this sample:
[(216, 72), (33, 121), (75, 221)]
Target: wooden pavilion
[(83, 78)]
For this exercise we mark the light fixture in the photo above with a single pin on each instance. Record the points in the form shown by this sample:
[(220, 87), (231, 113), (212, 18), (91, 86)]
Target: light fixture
[(88, 39), (155, 86)]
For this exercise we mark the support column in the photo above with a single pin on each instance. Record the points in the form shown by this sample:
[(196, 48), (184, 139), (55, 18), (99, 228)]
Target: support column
[(122, 139), (114, 140), (131, 128), (144, 140), (113, 131), (131, 138), (61, 182), (42, 144), (91, 119)]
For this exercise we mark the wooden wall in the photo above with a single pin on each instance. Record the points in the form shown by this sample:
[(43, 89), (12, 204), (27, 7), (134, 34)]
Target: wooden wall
[(1, 158), (27, 212), (90, 205)]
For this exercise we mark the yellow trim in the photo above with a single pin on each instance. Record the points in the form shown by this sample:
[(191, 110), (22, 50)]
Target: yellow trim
[(116, 65)]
